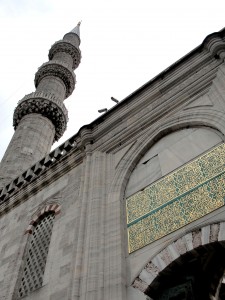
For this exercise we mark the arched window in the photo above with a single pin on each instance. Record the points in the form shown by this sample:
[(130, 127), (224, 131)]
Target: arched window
[(36, 254)]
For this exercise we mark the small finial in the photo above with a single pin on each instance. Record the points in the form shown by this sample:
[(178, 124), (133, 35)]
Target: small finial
[(79, 23)]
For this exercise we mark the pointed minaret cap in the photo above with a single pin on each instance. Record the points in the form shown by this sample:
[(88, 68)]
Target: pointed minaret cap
[(76, 29), (73, 36)]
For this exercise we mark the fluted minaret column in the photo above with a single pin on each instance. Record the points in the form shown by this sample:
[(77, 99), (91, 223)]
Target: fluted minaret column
[(40, 118)]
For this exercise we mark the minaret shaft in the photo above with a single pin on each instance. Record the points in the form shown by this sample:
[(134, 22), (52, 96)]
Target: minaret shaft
[(64, 57), (40, 118), (53, 84), (31, 141)]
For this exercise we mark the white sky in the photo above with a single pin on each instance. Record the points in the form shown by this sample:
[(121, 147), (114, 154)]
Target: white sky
[(124, 44)]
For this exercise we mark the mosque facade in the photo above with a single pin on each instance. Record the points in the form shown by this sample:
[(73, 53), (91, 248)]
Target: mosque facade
[(131, 207)]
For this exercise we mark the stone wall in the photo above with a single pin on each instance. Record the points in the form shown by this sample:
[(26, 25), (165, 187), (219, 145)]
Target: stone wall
[(88, 255), (64, 192)]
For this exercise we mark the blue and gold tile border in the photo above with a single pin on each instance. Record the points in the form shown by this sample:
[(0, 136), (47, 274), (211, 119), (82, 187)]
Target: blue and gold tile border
[(177, 199)]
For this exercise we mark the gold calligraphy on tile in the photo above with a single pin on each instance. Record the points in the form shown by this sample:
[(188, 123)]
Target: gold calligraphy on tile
[(177, 199)]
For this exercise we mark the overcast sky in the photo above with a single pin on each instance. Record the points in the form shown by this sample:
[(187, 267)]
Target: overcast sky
[(124, 44)]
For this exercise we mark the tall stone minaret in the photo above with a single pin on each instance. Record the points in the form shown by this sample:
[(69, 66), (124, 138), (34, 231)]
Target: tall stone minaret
[(40, 118)]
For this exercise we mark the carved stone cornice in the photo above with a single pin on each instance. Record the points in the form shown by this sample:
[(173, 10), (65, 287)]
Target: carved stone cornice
[(58, 69), (215, 44), (62, 46), (18, 187), (45, 104)]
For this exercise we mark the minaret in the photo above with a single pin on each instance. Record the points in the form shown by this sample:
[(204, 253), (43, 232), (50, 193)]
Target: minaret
[(40, 118)]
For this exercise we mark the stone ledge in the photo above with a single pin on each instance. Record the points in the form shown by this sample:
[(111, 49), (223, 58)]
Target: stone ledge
[(58, 69), (45, 104), (62, 46)]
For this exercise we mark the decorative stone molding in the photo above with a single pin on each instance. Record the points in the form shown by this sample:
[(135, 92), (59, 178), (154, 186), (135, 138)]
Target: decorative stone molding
[(45, 104), (215, 44), (58, 69), (37, 169), (62, 46), (45, 95), (191, 241), (55, 208)]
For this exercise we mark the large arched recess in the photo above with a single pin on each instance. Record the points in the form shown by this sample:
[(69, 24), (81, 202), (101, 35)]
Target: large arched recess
[(201, 117), (187, 119)]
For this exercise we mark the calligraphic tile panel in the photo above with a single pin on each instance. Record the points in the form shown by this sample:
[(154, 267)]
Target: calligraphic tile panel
[(176, 183), (178, 199)]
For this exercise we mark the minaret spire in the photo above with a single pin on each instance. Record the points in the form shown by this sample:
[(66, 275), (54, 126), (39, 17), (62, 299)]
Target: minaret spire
[(40, 118), (76, 29)]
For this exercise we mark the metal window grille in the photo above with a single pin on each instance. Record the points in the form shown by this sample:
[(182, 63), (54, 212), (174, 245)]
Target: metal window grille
[(36, 256)]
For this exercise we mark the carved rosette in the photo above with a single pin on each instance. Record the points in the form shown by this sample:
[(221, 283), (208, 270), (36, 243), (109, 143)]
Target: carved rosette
[(62, 46), (58, 69), (46, 105)]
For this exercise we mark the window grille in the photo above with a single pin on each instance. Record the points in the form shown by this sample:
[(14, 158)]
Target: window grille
[(36, 256)]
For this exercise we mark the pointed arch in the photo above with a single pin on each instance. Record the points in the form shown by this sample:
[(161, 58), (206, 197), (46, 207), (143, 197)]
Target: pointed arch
[(201, 117), (116, 212), (191, 243), (35, 256), (54, 208)]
